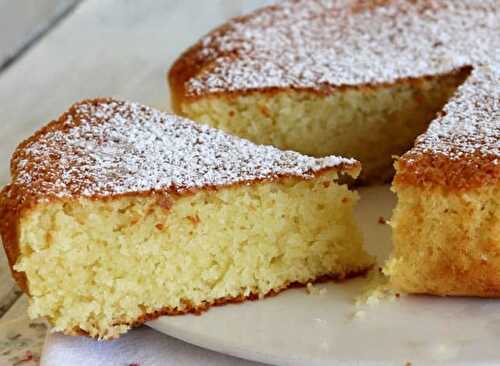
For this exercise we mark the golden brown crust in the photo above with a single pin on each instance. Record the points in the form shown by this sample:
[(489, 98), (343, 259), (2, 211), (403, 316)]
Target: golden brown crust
[(10, 214), (203, 55), (73, 118), (199, 309), (193, 61), (288, 45), (427, 169)]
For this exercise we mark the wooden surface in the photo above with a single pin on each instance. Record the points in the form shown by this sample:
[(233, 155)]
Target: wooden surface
[(102, 48)]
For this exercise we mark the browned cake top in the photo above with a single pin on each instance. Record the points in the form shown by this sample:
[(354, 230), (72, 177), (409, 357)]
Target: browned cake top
[(325, 45), (107, 147), (319, 44)]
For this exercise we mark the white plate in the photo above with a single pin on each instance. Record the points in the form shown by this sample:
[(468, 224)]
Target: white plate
[(295, 328)]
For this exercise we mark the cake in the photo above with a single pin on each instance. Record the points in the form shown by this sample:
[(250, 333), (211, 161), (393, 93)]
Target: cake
[(363, 79), (446, 225), (118, 213)]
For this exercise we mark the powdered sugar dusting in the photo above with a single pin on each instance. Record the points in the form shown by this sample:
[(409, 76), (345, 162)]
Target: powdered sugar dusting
[(106, 147), (470, 124), (315, 44)]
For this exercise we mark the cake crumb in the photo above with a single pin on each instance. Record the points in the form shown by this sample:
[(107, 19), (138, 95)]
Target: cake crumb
[(312, 290), (377, 290), (381, 220), (408, 364)]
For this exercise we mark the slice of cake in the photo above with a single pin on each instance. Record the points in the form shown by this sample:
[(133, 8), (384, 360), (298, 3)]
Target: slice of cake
[(446, 226), (118, 213)]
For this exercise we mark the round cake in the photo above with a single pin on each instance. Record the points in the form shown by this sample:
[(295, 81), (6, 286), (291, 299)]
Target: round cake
[(363, 79)]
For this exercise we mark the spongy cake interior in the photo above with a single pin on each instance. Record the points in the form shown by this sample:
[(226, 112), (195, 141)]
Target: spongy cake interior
[(97, 266), (446, 243), (368, 123)]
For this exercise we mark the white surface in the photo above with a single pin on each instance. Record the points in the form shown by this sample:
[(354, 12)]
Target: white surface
[(295, 328), (21, 21)]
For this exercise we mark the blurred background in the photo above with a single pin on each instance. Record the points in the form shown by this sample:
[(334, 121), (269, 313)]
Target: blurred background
[(22, 22)]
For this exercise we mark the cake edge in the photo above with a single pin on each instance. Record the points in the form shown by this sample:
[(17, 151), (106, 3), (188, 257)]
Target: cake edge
[(437, 171)]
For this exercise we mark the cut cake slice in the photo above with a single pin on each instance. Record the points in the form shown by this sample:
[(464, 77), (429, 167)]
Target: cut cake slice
[(446, 225), (118, 213)]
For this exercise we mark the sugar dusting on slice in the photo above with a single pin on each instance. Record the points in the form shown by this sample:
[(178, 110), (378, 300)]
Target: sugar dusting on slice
[(471, 120), (106, 147)]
